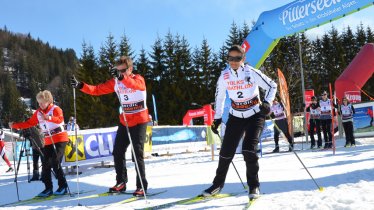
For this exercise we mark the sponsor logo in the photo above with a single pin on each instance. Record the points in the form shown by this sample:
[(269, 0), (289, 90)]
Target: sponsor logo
[(353, 96), (246, 46), (302, 9)]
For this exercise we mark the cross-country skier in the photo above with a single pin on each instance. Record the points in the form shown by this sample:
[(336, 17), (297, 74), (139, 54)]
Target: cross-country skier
[(51, 121), (246, 115), (2, 151), (314, 123), (346, 112), (281, 124), (131, 91), (326, 119)]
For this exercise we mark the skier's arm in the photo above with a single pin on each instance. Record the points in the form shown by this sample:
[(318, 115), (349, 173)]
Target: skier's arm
[(101, 89), (28, 123), (220, 97), (267, 84)]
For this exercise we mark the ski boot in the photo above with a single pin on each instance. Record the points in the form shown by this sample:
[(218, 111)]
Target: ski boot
[(276, 149), (254, 192), (139, 192), (45, 193), (119, 187), (211, 191)]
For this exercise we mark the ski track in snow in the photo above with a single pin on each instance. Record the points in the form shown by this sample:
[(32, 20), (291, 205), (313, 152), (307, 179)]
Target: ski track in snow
[(347, 178)]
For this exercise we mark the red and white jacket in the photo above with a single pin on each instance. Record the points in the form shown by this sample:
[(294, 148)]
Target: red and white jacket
[(132, 94), (51, 128), (242, 86)]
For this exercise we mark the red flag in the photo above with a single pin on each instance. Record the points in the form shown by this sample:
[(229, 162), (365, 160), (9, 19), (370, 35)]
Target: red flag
[(285, 99)]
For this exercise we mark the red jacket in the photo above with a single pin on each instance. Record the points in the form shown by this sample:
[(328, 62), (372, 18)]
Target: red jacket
[(57, 118), (135, 82), (370, 113)]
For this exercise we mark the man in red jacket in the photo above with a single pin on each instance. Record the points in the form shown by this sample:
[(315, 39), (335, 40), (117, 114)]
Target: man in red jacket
[(51, 121), (131, 92)]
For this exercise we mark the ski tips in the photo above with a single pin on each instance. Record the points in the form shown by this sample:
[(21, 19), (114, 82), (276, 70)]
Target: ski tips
[(321, 189)]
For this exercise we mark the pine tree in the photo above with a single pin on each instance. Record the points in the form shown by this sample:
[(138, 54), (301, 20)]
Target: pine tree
[(86, 104), (244, 32), (234, 36), (360, 37), (109, 103), (369, 35), (125, 47), (348, 44), (13, 109)]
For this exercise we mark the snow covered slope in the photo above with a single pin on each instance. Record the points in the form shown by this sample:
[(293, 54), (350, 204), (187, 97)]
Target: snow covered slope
[(347, 178)]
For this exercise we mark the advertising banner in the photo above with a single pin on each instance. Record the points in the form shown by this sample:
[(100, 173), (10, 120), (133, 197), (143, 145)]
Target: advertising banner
[(177, 134), (96, 143), (353, 96), (292, 18), (363, 119)]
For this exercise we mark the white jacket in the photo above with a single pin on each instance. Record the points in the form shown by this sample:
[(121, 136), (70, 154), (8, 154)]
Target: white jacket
[(242, 86)]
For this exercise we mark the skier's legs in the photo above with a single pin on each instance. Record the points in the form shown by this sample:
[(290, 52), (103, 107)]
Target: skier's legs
[(324, 130), (234, 132), (119, 154), (312, 126), (283, 125), (35, 159), (138, 136), (329, 131), (56, 163), (318, 130), (6, 160), (276, 133), (249, 149), (47, 165)]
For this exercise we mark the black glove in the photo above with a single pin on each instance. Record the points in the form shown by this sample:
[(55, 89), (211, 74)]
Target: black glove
[(215, 125), (116, 73), (265, 108), (75, 83)]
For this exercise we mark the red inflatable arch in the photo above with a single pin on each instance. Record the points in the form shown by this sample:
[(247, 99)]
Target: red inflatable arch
[(206, 111), (356, 74)]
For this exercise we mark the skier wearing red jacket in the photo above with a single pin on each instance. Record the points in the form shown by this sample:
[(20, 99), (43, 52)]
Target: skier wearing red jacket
[(51, 121), (2, 151), (131, 92)]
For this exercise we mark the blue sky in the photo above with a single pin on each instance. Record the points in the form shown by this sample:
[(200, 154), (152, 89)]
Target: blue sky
[(66, 23)]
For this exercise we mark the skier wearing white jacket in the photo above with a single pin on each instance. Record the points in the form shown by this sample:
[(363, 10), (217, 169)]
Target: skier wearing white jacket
[(246, 115)]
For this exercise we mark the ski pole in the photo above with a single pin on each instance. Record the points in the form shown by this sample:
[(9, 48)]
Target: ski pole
[(14, 160), (132, 146), (234, 166), (315, 182), (76, 143)]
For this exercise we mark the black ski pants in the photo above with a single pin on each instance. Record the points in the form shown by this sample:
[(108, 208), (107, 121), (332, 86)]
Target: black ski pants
[(348, 130), (138, 136), (52, 160), (315, 124), (235, 128), (282, 126), (326, 129)]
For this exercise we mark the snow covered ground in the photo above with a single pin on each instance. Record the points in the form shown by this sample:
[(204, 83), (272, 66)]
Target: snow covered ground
[(347, 178)]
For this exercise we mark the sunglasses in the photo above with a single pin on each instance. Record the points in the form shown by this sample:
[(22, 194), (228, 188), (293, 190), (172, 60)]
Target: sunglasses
[(234, 58), (123, 70)]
